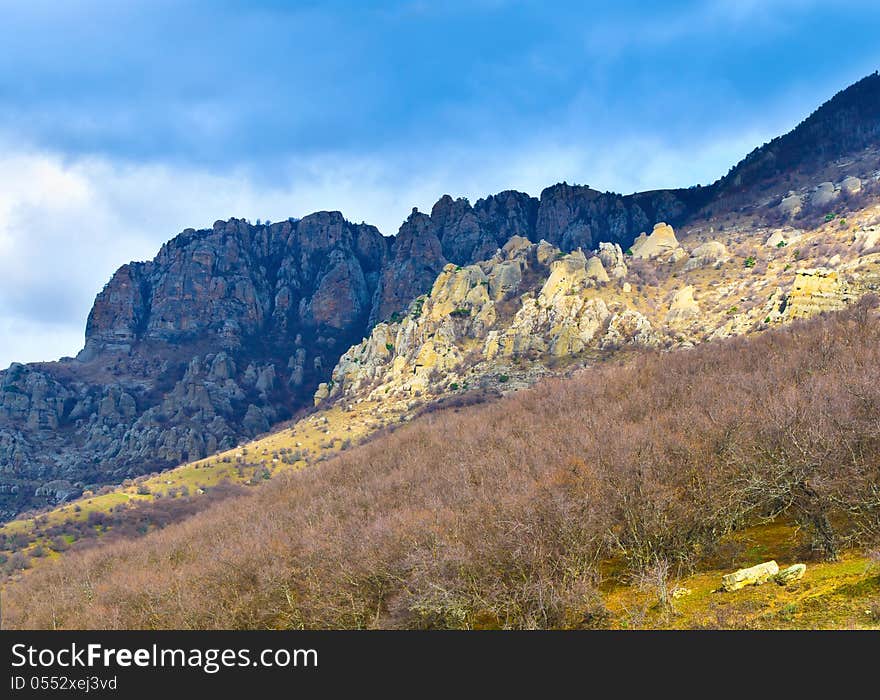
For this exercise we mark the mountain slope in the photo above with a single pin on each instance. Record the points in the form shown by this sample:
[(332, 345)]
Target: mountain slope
[(532, 309), (843, 126), (528, 312), (528, 512), (230, 330)]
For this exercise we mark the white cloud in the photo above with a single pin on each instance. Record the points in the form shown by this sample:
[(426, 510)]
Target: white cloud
[(67, 225), (27, 341)]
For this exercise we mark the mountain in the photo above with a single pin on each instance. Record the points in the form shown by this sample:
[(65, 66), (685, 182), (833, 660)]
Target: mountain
[(845, 125), (224, 333), (617, 498), (231, 330)]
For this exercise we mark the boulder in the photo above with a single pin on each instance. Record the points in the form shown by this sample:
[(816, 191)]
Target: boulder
[(753, 576), (850, 185), (824, 194), (504, 278), (791, 574), (613, 259), (683, 307), (322, 392), (546, 253), (791, 205), (866, 239), (596, 270), (778, 237), (567, 274), (629, 327), (816, 291), (515, 247), (705, 254), (662, 241)]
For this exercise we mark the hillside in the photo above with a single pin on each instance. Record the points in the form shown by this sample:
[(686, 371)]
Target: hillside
[(229, 331), (844, 128), (532, 310), (542, 509), (529, 312), (550, 412)]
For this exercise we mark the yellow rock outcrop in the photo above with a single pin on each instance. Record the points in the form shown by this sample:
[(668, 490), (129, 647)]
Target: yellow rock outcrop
[(596, 270), (661, 242), (683, 307), (567, 275), (814, 291)]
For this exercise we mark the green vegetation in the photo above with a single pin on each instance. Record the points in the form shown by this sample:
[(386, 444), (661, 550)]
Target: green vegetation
[(417, 306), (460, 313), (750, 261)]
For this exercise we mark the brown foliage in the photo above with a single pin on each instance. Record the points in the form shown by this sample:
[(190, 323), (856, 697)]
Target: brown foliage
[(497, 515)]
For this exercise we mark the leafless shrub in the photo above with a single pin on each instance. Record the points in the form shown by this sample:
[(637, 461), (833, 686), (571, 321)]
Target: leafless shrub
[(17, 562), (644, 272), (498, 515), (657, 580)]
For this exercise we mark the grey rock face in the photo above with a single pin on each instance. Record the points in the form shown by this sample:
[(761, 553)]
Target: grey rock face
[(416, 260), (225, 332), (573, 216), (237, 281), (230, 329)]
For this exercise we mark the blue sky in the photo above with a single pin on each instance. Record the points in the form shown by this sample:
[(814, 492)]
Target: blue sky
[(121, 123)]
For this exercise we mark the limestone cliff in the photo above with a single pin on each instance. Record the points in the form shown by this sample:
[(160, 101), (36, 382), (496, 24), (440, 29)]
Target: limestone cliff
[(498, 322), (532, 309)]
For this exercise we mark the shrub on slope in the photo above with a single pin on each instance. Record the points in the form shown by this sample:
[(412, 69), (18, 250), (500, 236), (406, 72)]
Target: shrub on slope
[(499, 514)]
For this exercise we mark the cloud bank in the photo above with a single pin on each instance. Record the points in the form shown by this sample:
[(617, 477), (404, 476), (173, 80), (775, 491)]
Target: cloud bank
[(67, 224), (124, 123)]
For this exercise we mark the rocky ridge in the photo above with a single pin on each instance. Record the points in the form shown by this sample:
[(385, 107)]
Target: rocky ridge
[(532, 309), (231, 329)]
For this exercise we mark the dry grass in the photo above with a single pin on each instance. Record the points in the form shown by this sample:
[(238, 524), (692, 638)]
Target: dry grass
[(499, 515), (844, 594)]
